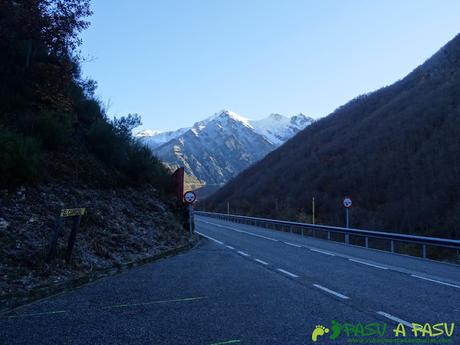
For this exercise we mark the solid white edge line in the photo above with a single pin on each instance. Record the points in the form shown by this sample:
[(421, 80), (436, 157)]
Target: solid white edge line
[(288, 273), (320, 251), (243, 253), (331, 291), (435, 281), (261, 261), (267, 238), (394, 318), (368, 264), (210, 238), (293, 244)]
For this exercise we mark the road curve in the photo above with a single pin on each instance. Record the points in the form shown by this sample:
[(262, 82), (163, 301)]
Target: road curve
[(244, 285)]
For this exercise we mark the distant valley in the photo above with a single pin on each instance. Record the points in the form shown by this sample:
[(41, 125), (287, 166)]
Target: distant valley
[(215, 150)]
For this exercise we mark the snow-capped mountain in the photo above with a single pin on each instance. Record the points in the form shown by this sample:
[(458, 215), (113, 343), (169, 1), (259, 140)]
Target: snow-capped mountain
[(277, 128), (218, 148), (156, 138)]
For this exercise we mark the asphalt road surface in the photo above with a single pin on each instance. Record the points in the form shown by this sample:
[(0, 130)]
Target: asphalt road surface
[(247, 285)]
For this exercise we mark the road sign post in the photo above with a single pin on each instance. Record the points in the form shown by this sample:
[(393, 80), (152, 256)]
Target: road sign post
[(75, 213), (313, 210), (190, 198), (190, 219), (347, 204)]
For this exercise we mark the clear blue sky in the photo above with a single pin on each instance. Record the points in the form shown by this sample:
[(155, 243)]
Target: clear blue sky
[(177, 62)]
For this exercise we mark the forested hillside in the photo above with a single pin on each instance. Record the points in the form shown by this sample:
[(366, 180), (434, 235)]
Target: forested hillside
[(59, 149), (394, 151), (48, 111)]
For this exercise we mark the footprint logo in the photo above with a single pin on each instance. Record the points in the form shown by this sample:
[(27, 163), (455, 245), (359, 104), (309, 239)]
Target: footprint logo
[(318, 331)]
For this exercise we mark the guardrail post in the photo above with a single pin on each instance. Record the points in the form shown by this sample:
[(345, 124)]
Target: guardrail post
[(329, 235), (392, 246), (424, 251), (347, 238), (366, 242)]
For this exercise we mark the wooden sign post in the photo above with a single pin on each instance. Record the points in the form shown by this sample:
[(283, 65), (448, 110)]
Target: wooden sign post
[(76, 214)]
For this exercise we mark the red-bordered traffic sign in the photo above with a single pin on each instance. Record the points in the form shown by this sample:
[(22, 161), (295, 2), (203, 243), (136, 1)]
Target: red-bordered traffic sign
[(189, 197), (347, 202)]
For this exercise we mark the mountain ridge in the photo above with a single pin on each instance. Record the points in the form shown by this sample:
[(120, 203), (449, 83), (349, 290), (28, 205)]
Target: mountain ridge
[(215, 149), (394, 151)]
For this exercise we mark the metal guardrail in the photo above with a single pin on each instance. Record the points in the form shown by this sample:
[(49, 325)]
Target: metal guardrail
[(423, 241)]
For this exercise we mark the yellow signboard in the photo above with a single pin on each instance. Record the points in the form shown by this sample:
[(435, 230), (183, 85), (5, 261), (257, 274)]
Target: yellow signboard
[(71, 212)]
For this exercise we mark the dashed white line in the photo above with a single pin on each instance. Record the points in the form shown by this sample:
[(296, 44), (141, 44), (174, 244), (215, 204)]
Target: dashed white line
[(435, 281), (292, 244), (368, 264), (331, 291), (288, 273), (394, 318), (321, 251), (209, 237), (261, 261)]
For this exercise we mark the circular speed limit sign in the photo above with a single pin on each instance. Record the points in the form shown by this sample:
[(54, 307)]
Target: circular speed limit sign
[(189, 197), (347, 202)]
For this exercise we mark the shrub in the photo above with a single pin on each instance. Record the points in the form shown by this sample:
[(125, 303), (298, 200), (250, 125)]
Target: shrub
[(19, 158), (141, 166), (103, 142), (116, 148), (53, 129)]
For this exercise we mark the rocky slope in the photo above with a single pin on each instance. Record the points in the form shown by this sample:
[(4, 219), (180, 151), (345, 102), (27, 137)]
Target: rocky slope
[(121, 225)]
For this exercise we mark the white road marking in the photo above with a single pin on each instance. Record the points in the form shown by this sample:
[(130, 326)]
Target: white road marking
[(435, 281), (288, 273), (241, 231), (230, 247), (261, 261), (327, 253), (267, 238), (331, 291), (368, 264), (243, 253), (292, 244), (208, 237), (321, 251), (394, 318)]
